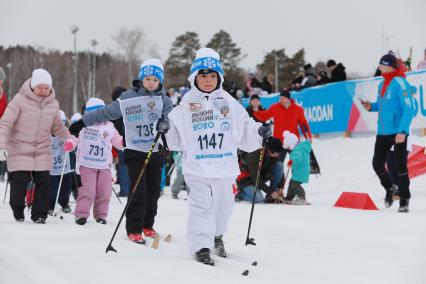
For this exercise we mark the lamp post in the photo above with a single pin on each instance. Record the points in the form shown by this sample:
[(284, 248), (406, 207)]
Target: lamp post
[(94, 42), (74, 30), (9, 85), (276, 72), (275, 68)]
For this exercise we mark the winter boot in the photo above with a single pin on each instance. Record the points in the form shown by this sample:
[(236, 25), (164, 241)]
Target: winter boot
[(19, 217), (39, 220), (149, 232), (403, 205), (389, 196), (219, 247), (136, 238), (203, 256), (101, 221), (80, 220), (300, 201), (66, 209)]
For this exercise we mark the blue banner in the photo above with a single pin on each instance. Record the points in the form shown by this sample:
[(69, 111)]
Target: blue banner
[(335, 107)]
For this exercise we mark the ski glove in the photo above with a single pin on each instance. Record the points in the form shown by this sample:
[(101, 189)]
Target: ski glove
[(3, 155), (265, 131), (163, 125), (69, 145), (76, 127)]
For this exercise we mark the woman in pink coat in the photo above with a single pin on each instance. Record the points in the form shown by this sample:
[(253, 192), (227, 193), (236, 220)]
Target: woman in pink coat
[(25, 140)]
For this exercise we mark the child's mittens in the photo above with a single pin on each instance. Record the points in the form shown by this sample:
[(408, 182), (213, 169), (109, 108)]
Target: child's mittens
[(117, 141), (69, 145), (289, 163)]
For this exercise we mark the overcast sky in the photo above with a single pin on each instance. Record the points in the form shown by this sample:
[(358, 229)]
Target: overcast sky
[(348, 31)]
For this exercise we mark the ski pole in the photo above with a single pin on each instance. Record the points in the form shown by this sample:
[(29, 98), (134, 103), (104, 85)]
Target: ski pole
[(5, 192), (60, 183), (31, 193), (171, 169), (250, 241), (135, 185), (118, 197), (286, 177)]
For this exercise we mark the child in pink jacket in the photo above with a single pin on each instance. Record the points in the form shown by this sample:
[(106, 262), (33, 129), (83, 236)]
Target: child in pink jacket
[(25, 141), (94, 158)]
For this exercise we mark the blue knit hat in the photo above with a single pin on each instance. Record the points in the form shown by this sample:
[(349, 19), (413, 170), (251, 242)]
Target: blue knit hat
[(152, 67), (206, 58)]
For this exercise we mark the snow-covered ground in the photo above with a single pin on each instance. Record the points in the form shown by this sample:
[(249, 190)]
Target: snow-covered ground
[(295, 244)]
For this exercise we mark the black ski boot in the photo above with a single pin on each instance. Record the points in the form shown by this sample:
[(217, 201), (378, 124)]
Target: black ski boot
[(389, 196), (19, 217), (219, 247), (80, 220), (39, 220), (66, 209), (403, 205), (101, 221), (203, 256)]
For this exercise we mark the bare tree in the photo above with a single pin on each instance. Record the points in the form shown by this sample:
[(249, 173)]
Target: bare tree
[(132, 44)]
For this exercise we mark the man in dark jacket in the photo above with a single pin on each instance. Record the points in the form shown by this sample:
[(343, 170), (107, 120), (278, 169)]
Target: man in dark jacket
[(338, 72), (254, 103), (249, 165), (268, 83)]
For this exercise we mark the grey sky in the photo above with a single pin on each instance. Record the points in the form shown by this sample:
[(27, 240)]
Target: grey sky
[(348, 31)]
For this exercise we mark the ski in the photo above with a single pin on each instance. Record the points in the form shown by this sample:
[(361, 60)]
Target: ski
[(156, 241)]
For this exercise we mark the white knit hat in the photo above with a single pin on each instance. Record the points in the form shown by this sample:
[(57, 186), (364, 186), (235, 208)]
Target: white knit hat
[(41, 76), (75, 117), (93, 104), (206, 58), (152, 67), (63, 116), (290, 140)]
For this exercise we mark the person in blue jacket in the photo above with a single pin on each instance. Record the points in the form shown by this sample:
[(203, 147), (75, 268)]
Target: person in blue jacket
[(300, 153), (395, 112)]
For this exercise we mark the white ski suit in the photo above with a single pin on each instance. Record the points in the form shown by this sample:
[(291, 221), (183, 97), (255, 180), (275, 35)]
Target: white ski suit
[(208, 129)]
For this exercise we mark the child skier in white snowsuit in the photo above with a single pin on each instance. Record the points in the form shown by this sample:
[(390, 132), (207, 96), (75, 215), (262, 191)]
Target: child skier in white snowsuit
[(208, 126)]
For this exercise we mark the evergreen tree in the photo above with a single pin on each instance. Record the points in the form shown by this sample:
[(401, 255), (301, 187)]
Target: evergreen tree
[(230, 56), (180, 58), (288, 67)]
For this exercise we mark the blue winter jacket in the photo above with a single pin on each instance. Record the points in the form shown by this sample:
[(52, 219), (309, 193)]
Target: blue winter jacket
[(395, 108), (301, 157)]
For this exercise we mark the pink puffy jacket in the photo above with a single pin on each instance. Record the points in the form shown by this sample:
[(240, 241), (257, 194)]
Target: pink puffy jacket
[(26, 128)]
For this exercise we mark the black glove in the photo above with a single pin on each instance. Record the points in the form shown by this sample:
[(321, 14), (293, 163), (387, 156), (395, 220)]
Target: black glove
[(163, 125), (265, 131), (76, 127)]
